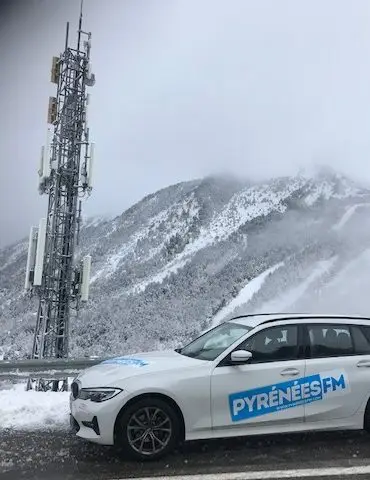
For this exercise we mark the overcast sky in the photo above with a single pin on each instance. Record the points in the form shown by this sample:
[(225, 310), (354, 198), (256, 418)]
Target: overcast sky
[(185, 88)]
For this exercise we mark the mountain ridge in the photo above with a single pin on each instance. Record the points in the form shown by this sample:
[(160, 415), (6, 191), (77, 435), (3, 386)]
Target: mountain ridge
[(166, 268)]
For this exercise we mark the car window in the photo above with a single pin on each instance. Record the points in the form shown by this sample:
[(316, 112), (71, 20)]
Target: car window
[(366, 332), (361, 339), (212, 343), (330, 341), (273, 344)]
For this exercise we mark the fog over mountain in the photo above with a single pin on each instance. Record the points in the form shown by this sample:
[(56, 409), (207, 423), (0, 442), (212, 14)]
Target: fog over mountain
[(185, 89), (198, 252)]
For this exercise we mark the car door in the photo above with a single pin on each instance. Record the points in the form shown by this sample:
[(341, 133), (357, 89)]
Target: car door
[(339, 359), (266, 390)]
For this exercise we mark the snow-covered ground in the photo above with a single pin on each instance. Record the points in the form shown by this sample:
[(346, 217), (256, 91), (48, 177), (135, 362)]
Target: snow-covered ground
[(22, 410)]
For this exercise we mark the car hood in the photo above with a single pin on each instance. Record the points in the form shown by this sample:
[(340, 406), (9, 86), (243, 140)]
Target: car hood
[(119, 368)]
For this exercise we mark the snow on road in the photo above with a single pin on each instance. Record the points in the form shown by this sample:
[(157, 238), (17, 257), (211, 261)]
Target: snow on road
[(22, 410)]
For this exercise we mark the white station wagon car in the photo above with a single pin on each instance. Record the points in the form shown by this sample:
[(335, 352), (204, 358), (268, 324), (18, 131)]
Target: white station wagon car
[(252, 375)]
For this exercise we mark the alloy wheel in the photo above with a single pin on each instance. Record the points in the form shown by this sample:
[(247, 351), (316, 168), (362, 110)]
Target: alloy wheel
[(149, 430)]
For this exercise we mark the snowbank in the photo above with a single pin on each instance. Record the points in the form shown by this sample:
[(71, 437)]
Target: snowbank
[(22, 410)]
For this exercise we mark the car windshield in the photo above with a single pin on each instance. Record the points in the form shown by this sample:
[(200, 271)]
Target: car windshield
[(212, 343)]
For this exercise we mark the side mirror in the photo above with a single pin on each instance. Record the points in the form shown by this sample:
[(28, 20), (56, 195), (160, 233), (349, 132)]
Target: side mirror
[(240, 356)]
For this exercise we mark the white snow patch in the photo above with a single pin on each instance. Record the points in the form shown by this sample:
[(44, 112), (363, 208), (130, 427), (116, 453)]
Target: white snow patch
[(292, 296), (159, 277), (95, 220), (348, 214), (244, 206), (245, 294), (181, 214), (97, 275), (326, 188), (22, 410), (348, 291)]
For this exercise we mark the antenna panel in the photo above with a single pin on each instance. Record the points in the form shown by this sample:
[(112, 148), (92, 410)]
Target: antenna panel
[(52, 110), (31, 258), (90, 166), (40, 250), (85, 284), (55, 70), (47, 151), (87, 109), (41, 165)]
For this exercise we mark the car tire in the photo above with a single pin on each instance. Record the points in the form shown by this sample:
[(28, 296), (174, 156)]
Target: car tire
[(148, 429), (367, 417)]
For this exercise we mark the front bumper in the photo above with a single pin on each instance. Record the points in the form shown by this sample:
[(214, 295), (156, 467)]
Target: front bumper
[(73, 423), (95, 421)]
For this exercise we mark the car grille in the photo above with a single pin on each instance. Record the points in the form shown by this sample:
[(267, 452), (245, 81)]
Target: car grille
[(74, 390)]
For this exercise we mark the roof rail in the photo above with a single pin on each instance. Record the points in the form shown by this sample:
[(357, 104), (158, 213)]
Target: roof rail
[(303, 316), (268, 314), (298, 316)]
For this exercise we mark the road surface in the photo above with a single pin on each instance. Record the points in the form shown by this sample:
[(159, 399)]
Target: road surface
[(56, 455)]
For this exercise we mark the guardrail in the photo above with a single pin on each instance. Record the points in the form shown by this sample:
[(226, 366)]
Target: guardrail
[(45, 368)]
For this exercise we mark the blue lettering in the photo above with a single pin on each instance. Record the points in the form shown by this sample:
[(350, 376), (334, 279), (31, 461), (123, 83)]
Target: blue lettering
[(306, 390), (326, 384), (285, 396), (249, 401), (238, 405), (338, 383), (262, 401), (273, 398), (296, 392), (315, 388)]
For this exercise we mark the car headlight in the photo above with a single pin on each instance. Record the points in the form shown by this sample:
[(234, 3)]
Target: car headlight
[(98, 394)]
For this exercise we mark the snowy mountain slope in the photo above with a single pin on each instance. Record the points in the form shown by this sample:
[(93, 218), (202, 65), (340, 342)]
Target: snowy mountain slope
[(197, 252)]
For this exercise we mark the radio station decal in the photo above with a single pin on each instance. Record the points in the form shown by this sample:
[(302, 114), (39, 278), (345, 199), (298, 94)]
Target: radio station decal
[(281, 396), (130, 361)]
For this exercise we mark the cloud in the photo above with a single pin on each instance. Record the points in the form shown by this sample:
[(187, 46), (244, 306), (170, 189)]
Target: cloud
[(187, 88)]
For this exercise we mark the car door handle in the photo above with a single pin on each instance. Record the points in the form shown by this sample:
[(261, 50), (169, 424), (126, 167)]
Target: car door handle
[(289, 372), (364, 363)]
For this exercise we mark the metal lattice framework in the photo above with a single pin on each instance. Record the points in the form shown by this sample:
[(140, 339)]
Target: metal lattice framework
[(67, 182)]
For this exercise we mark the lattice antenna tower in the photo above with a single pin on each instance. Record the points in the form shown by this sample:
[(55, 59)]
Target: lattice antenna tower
[(65, 175)]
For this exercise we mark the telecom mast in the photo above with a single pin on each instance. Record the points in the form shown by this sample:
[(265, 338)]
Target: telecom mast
[(65, 176)]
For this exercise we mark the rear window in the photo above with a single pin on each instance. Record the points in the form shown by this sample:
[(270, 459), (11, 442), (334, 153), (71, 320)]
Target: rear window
[(361, 339), (339, 340), (330, 340)]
